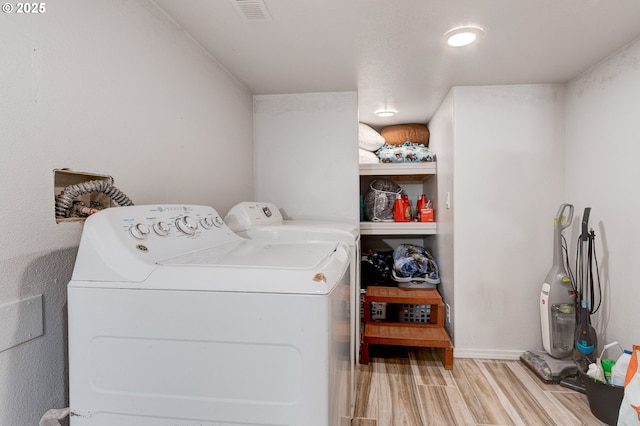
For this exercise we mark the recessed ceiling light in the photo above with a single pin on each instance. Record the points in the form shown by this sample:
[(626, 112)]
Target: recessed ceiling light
[(462, 36), (386, 113)]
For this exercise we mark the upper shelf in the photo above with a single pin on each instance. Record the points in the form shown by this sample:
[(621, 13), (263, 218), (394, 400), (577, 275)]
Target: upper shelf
[(398, 169)]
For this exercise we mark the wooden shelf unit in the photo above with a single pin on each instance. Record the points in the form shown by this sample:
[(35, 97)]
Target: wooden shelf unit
[(429, 335), (415, 178)]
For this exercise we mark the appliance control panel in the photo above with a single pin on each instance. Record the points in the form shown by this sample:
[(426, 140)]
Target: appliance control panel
[(157, 231), (250, 214), (169, 221)]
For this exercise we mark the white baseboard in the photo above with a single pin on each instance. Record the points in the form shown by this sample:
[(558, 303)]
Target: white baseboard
[(487, 353)]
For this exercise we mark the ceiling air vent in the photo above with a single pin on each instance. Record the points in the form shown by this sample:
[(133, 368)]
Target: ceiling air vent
[(252, 10)]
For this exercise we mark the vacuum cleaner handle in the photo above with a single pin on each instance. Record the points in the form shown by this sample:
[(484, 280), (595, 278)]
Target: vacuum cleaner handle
[(564, 220), (585, 224)]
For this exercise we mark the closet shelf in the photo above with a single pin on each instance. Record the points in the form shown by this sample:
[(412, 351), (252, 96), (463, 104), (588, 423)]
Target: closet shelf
[(422, 170), (398, 228)]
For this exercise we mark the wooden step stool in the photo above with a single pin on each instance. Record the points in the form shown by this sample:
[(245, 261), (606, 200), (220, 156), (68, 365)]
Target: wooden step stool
[(426, 335)]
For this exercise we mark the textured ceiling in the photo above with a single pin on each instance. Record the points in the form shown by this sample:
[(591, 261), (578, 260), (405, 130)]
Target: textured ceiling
[(391, 52)]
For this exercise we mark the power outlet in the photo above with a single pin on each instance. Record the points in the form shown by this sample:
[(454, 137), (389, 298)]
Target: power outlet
[(448, 309)]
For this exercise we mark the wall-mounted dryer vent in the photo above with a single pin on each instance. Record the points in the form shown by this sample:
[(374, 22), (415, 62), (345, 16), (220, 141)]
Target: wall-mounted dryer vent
[(252, 10)]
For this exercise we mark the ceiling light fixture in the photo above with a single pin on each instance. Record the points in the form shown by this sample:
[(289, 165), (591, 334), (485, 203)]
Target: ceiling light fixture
[(386, 113), (463, 36)]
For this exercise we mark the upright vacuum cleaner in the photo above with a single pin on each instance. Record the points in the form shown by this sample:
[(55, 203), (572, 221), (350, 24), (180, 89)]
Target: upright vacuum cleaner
[(557, 311)]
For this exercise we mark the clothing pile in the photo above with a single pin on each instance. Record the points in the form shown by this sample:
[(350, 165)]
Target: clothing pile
[(414, 267)]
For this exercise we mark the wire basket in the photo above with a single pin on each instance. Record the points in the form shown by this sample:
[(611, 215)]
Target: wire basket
[(379, 203), (378, 309), (414, 313)]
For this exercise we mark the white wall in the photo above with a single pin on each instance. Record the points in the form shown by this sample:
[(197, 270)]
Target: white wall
[(506, 171), (108, 87), (603, 148), (306, 150), (442, 142)]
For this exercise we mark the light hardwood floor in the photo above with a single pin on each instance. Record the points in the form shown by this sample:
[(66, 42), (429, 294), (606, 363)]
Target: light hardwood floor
[(409, 387)]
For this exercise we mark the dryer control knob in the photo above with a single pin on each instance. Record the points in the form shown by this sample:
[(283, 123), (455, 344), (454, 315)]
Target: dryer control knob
[(218, 222), (161, 228), (139, 231), (206, 222), (187, 225)]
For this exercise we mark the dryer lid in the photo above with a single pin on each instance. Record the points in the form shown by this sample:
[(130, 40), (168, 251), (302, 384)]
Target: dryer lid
[(262, 220), (305, 230)]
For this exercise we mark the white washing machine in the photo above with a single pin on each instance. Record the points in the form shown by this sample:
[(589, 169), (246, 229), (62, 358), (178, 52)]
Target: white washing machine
[(263, 220), (176, 320)]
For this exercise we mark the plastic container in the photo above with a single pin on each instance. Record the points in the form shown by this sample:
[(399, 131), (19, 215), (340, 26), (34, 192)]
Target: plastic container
[(619, 369), (407, 208), (607, 364), (563, 325), (415, 282), (378, 310), (604, 400), (422, 202), (414, 313), (399, 209)]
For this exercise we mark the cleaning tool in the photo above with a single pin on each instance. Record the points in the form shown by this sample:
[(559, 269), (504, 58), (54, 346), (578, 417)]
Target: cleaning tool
[(586, 280), (557, 298), (557, 311), (588, 301)]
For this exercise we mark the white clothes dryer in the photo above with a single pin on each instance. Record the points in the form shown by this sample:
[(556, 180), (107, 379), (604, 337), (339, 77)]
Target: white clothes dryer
[(176, 320), (264, 221)]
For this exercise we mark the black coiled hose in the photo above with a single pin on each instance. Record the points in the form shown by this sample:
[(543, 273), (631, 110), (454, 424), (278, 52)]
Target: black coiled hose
[(64, 201)]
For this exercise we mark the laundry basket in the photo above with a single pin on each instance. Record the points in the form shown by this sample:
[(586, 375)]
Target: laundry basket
[(415, 282)]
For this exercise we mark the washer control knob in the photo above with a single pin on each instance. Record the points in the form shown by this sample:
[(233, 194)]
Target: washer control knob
[(206, 222), (140, 231), (218, 222), (187, 225), (161, 228)]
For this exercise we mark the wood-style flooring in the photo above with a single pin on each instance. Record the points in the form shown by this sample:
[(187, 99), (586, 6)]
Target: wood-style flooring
[(409, 387)]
